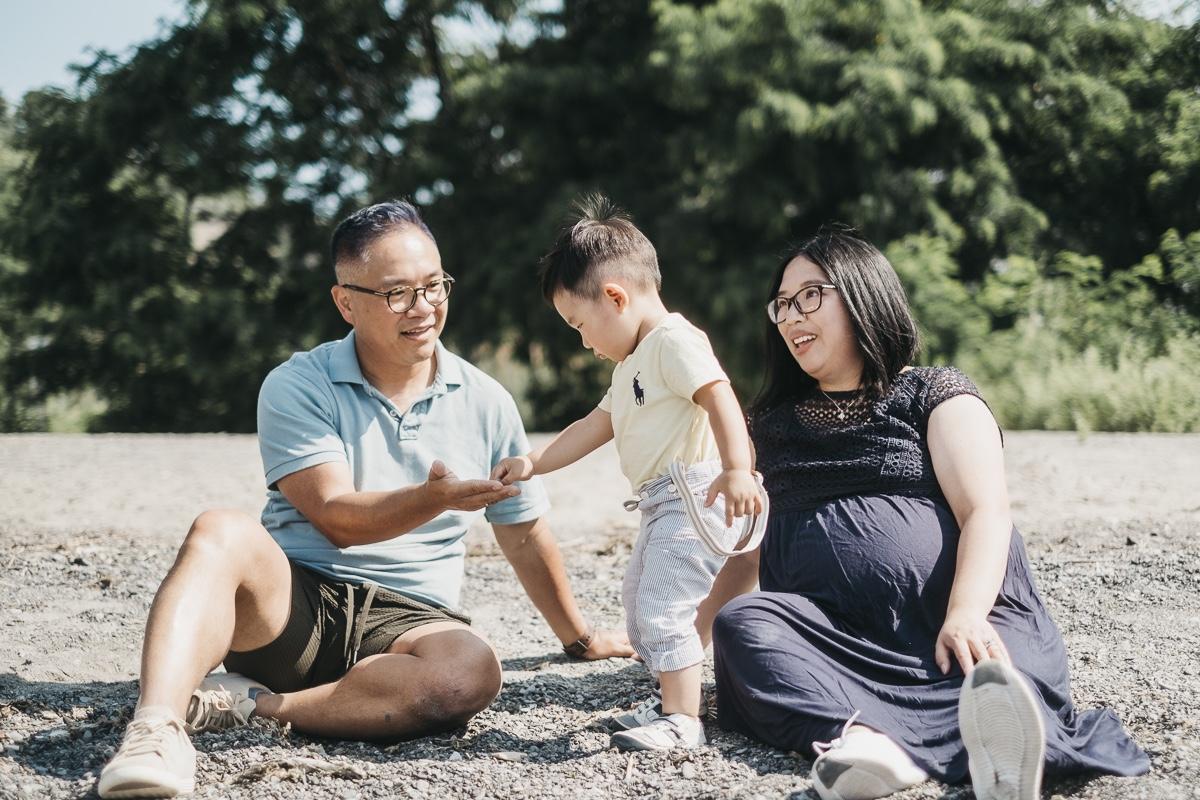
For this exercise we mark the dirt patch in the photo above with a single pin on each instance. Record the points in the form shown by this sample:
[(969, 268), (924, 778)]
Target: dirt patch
[(89, 524)]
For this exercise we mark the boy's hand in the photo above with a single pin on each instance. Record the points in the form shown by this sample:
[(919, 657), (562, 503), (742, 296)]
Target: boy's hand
[(513, 469), (451, 493), (741, 494)]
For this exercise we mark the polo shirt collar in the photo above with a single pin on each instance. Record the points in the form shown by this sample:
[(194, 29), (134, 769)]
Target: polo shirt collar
[(343, 362), (449, 370), (344, 367)]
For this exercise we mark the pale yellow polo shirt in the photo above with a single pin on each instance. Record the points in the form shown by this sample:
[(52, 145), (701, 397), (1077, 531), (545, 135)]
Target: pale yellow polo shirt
[(654, 419)]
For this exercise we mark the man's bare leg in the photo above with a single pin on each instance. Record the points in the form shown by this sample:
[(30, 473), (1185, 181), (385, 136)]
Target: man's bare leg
[(432, 678), (229, 588), (230, 584)]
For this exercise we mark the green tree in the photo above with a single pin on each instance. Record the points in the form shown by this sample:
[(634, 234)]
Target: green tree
[(253, 124), (1016, 160), (973, 135)]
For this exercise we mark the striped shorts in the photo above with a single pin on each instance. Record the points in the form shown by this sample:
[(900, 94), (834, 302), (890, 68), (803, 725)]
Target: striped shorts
[(671, 571)]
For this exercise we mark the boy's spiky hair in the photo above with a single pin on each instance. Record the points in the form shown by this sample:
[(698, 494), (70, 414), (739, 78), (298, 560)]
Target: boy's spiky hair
[(599, 243)]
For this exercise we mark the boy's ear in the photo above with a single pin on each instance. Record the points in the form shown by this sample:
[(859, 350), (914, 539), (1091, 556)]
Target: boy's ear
[(615, 293)]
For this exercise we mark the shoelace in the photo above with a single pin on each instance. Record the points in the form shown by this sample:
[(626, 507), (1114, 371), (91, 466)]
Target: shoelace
[(215, 709), (823, 747), (144, 736)]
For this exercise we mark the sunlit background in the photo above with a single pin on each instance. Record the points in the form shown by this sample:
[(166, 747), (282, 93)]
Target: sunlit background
[(1031, 169)]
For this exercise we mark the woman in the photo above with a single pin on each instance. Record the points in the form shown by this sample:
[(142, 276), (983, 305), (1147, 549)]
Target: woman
[(892, 581)]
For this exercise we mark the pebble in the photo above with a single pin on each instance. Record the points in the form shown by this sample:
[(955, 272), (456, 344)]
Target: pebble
[(543, 738)]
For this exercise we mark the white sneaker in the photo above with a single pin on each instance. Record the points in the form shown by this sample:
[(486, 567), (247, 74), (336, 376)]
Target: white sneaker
[(1002, 729), (224, 700), (862, 764), (664, 733), (647, 711), (156, 758)]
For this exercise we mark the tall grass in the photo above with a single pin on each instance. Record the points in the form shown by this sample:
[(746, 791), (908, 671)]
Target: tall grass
[(1033, 382)]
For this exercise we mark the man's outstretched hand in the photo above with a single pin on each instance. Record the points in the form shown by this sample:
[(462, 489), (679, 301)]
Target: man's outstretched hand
[(451, 493), (608, 644)]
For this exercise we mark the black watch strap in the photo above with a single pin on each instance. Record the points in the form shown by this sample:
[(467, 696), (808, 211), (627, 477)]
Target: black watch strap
[(579, 647)]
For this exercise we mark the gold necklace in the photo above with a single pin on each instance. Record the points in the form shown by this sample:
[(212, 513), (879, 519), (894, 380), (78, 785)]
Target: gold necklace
[(837, 405)]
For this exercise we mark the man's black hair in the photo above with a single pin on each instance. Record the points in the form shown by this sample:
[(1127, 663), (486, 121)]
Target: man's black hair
[(356, 233)]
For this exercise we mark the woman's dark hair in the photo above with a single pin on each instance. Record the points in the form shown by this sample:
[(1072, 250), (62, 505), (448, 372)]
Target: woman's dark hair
[(883, 325)]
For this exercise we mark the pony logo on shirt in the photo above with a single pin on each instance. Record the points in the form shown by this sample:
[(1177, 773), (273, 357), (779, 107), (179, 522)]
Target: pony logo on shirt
[(639, 396)]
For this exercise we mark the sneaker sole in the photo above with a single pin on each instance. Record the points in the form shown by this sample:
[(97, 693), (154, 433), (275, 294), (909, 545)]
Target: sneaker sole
[(838, 781), (146, 783), (1002, 729), (628, 744)]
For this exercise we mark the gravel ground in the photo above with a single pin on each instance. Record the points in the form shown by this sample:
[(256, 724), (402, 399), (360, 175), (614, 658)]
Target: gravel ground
[(88, 526)]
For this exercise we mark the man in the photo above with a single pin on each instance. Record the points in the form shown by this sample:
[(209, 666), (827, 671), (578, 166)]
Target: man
[(336, 608)]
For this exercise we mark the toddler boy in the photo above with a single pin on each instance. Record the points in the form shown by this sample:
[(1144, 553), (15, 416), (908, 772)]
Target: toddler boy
[(669, 402)]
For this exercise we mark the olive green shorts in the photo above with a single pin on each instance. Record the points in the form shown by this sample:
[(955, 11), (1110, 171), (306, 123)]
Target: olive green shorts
[(332, 625)]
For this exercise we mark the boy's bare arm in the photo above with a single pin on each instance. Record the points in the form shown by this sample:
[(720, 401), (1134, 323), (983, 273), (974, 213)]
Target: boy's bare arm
[(736, 481), (576, 441), (728, 424)]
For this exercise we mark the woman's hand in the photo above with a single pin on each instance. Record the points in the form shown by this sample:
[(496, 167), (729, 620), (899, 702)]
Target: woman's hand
[(970, 638)]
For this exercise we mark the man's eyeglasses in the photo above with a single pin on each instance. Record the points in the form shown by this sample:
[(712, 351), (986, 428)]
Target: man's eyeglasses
[(402, 298), (806, 301)]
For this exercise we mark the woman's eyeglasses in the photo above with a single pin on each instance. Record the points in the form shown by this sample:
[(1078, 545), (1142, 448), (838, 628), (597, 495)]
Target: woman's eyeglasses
[(806, 301)]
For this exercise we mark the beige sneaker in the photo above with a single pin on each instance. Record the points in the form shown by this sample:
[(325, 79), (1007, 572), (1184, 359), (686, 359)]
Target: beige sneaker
[(224, 700), (156, 758)]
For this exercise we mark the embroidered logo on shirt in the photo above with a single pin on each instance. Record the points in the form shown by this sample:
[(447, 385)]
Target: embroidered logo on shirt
[(639, 396)]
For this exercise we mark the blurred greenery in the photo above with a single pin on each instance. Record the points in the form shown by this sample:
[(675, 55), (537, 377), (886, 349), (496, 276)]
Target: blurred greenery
[(1032, 170)]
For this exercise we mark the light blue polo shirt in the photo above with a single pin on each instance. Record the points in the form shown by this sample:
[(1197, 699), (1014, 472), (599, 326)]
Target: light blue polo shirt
[(317, 408)]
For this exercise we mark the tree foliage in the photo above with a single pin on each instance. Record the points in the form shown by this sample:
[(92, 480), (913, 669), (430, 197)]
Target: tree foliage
[(1031, 169)]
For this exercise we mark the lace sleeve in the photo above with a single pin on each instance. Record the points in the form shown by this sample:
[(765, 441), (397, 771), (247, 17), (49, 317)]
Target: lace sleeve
[(943, 383)]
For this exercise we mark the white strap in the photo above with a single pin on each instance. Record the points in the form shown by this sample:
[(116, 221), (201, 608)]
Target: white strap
[(754, 527)]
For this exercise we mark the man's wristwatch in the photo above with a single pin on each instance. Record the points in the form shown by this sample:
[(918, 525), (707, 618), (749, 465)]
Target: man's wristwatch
[(579, 647)]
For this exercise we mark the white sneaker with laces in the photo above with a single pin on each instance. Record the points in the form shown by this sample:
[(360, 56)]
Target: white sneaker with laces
[(156, 758), (862, 764), (647, 711), (224, 700), (1002, 729), (663, 733)]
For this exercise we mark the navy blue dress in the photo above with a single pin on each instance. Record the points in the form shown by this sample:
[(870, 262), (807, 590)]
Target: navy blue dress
[(855, 575)]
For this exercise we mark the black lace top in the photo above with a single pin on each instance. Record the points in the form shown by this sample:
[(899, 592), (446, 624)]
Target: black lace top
[(826, 446)]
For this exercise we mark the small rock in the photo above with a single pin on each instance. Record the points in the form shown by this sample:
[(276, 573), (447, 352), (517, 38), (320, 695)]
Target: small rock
[(688, 770)]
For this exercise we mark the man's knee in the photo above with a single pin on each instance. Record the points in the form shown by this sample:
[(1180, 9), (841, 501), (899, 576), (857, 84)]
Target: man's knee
[(453, 697), (218, 532)]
